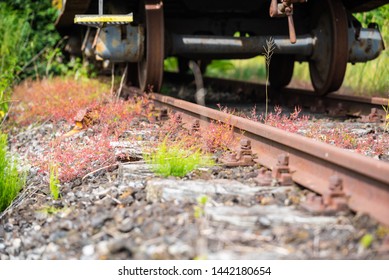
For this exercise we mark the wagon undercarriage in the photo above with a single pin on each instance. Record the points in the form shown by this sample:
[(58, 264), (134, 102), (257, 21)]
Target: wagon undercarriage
[(143, 33)]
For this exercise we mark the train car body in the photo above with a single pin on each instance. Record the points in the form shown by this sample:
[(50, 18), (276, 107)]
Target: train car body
[(143, 33)]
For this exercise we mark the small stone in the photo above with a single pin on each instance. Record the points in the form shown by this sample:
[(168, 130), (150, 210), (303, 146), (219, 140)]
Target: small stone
[(88, 250), (37, 227), (103, 248), (17, 243), (70, 195), (66, 225), (120, 246), (79, 194), (127, 201), (77, 182), (8, 227), (179, 250), (264, 221), (99, 221), (126, 226)]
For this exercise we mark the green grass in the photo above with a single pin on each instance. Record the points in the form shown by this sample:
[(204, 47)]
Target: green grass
[(51, 210), (11, 181), (54, 181), (176, 160)]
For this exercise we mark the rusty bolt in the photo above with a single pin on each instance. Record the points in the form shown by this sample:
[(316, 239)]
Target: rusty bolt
[(281, 172), (245, 143), (195, 126), (264, 177), (163, 115), (178, 117), (283, 160), (318, 106), (242, 157), (336, 184), (338, 111)]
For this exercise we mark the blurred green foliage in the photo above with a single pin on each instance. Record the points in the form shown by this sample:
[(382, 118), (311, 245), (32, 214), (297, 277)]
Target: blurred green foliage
[(30, 46), (11, 180)]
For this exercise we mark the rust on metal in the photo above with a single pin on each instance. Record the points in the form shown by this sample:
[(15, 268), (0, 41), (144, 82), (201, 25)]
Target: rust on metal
[(338, 111), (318, 106), (356, 105), (85, 118), (195, 128), (285, 9), (281, 172), (374, 116), (150, 67), (264, 177), (163, 115), (365, 180), (120, 43), (242, 157), (332, 201)]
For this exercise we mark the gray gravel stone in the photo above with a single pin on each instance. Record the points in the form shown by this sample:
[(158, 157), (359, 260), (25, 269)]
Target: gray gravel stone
[(8, 227)]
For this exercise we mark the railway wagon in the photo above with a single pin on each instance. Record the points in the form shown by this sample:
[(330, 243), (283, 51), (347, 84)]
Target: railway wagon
[(142, 33)]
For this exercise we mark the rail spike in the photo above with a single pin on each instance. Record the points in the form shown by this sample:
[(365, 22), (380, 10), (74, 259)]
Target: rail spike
[(332, 201), (281, 172), (242, 157)]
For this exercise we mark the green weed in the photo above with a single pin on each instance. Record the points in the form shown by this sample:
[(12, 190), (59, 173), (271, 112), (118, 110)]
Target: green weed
[(222, 69), (199, 208), (171, 64), (366, 240), (54, 181), (11, 181), (175, 160), (51, 210)]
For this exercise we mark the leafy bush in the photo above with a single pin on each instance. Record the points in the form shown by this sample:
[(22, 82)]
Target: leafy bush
[(39, 17), (11, 182)]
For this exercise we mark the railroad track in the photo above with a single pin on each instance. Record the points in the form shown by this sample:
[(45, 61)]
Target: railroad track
[(133, 213), (344, 104), (340, 177)]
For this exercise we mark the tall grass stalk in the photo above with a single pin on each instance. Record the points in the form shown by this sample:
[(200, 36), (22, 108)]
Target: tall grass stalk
[(11, 181), (269, 50), (176, 160)]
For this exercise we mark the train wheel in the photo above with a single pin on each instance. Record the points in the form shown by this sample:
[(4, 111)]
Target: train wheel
[(281, 70), (150, 68), (328, 63)]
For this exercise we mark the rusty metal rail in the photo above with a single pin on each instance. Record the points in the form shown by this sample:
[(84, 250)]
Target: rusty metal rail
[(312, 163), (353, 105)]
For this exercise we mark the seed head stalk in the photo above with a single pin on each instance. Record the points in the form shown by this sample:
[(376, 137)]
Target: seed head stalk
[(269, 50)]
